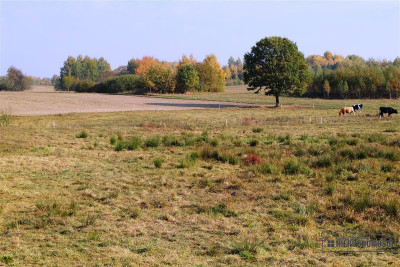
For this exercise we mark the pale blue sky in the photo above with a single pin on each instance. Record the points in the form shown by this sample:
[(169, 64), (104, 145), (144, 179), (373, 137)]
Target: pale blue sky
[(38, 36)]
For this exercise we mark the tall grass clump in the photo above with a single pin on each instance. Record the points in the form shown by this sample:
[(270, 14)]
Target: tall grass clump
[(323, 161), (376, 138), (391, 206), (113, 140), (5, 118), (292, 167), (82, 134), (157, 163), (285, 140), (351, 142), (189, 161), (133, 143), (119, 146), (388, 167), (153, 141), (267, 168), (214, 142), (224, 156), (247, 250), (171, 140)]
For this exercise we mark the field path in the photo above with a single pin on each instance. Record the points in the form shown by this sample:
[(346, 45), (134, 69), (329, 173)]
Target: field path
[(44, 103)]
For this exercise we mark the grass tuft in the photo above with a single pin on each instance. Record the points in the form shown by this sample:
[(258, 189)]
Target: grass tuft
[(82, 134)]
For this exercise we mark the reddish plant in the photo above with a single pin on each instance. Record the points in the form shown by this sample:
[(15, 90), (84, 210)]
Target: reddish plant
[(252, 159)]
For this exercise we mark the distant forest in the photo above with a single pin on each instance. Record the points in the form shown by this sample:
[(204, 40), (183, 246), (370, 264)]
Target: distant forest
[(353, 77), (333, 76), (145, 75)]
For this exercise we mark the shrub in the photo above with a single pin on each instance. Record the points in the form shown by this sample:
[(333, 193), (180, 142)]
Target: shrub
[(125, 83), (84, 86), (158, 163), (82, 134)]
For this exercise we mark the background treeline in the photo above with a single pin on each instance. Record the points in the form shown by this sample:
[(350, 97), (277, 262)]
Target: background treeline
[(145, 75), (14, 81), (234, 72), (353, 77)]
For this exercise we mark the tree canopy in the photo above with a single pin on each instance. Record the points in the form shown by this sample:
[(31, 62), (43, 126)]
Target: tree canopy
[(14, 81), (276, 65)]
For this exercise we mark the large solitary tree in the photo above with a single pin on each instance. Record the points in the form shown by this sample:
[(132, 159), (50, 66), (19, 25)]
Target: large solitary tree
[(276, 65)]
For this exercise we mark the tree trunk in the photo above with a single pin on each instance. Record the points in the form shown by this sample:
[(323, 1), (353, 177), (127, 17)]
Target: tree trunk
[(277, 101)]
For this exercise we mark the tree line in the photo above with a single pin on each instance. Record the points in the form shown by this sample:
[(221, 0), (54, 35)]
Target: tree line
[(330, 76), (14, 81), (334, 76), (143, 75)]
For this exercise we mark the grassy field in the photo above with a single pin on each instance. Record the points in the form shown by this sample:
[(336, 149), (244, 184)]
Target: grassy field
[(237, 187), (240, 94)]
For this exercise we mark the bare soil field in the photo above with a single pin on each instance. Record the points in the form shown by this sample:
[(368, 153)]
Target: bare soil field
[(42, 101)]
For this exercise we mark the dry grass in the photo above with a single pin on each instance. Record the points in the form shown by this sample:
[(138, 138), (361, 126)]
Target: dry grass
[(71, 201)]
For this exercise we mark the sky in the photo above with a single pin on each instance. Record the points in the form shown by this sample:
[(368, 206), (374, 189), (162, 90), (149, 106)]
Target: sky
[(38, 36)]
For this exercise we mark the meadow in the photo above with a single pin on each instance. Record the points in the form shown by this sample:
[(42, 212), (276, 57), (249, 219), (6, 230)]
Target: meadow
[(212, 187)]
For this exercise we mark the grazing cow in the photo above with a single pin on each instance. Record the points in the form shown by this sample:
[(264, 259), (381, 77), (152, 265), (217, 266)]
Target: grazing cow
[(387, 110), (346, 110), (358, 107)]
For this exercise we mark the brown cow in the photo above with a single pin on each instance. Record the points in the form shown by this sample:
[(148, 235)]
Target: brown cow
[(346, 110)]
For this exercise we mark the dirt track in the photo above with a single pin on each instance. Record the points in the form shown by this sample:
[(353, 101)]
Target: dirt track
[(44, 103)]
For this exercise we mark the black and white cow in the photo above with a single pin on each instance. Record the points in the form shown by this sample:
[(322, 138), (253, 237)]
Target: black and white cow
[(358, 107), (387, 110)]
